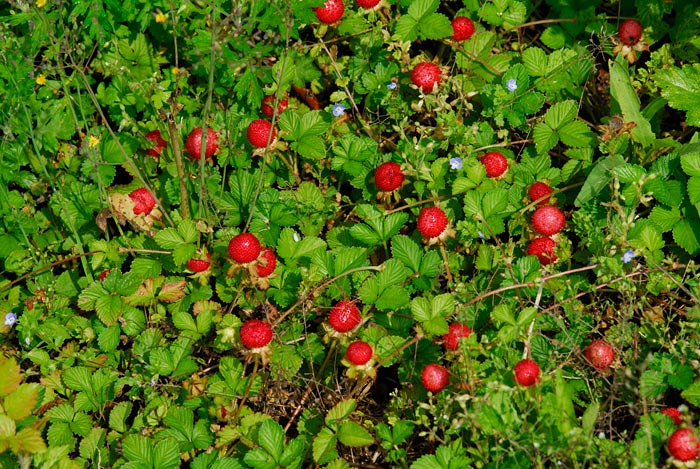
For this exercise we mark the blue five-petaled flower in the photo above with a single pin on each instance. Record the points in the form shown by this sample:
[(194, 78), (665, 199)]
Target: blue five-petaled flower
[(338, 110), (512, 85), (10, 319), (391, 85), (456, 162), (627, 256)]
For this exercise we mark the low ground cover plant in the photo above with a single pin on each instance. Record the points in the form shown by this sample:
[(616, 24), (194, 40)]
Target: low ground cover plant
[(349, 233)]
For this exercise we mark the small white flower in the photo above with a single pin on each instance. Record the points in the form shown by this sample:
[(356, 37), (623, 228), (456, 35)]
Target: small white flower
[(296, 237)]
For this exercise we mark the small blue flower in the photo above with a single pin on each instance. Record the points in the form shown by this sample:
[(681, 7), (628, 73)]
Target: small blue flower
[(338, 110), (512, 85), (481, 235), (627, 256), (456, 162), (10, 319), (391, 85)]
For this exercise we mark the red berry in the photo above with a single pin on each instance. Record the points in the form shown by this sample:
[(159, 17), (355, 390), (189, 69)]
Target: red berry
[(543, 248), (435, 377), (684, 445), (269, 101), (256, 333), (244, 248), (267, 261), (538, 190), (526, 372), (258, 132), (462, 28), (199, 265), (629, 32), (674, 413), (454, 334), (495, 164), (425, 75), (344, 316), (599, 353), (359, 352), (388, 176), (432, 221), (193, 144), (368, 3), (330, 12), (548, 220), (103, 274), (143, 201), (158, 144)]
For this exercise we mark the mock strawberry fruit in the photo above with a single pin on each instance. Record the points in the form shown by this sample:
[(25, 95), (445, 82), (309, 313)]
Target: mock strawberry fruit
[(193, 144), (684, 445), (539, 190), (269, 101), (629, 32), (526, 372), (143, 201), (432, 221), (548, 220), (454, 334), (330, 12), (255, 333), (359, 352), (543, 248), (462, 28), (267, 261), (388, 176), (158, 144), (599, 353), (259, 131), (426, 75), (244, 248), (199, 265), (344, 316), (435, 377), (674, 413), (368, 3), (103, 274), (495, 164)]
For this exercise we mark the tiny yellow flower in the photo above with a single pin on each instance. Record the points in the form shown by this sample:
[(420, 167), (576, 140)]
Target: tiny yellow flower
[(93, 141), (175, 71), (40, 3), (160, 17), (41, 80)]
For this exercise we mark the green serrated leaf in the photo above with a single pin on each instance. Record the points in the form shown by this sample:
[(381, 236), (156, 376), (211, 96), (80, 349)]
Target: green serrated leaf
[(108, 339), (545, 138), (692, 394), (681, 87), (561, 113), (22, 401), (169, 238), (340, 411), (118, 416), (324, 446), (271, 438), (690, 162), (686, 234), (535, 61), (11, 375), (576, 134), (354, 435)]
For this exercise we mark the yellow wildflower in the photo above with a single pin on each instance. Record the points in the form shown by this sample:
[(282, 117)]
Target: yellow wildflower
[(41, 80), (93, 141), (160, 17), (40, 3)]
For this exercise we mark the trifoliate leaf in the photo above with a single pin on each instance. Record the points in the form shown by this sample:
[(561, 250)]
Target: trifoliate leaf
[(681, 87)]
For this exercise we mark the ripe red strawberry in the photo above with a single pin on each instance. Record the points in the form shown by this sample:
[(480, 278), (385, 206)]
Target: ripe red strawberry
[(540, 189), (548, 220), (368, 3), (388, 176), (462, 28), (527, 372), (199, 265), (425, 75), (543, 248), (269, 101), (359, 352), (143, 201), (103, 274), (330, 12), (158, 144), (629, 32), (455, 332), (599, 353), (258, 132), (244, 248), (684, 445), (495, 164), (674, 413), (344, 316), (267, 261), (434, 377), (432, 221), (193, 144), (255, 333)]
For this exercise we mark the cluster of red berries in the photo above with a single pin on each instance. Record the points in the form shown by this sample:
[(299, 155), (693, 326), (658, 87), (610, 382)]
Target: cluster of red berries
[(547, 221), (435, 376)]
